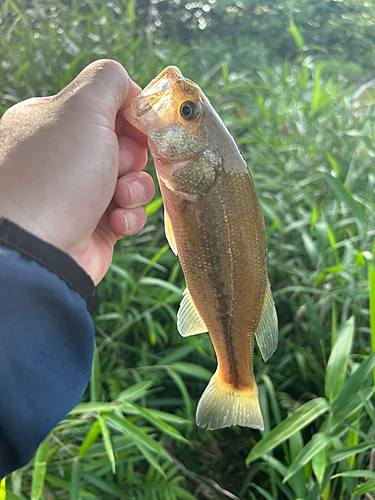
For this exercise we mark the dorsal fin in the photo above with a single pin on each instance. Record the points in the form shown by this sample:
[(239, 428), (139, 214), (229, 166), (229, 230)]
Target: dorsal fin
[(189, 321), (267, 332)]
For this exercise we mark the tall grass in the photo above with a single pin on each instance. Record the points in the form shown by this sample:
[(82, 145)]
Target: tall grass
[(310, 148)]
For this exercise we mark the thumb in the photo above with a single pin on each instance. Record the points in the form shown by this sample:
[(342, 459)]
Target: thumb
[(104, 86)]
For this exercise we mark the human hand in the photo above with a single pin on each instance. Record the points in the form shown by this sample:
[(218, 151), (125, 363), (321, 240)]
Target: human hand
[(70, 167)]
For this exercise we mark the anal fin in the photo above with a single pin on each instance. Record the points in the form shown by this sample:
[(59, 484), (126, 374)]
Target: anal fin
[(267, 332), (169, 232), (189, 321)]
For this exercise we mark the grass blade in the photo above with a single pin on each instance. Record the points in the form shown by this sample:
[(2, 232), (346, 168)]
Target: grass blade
[(367, 474), (152, 207), (317, 93), (95, 386), (136, 391), (306, 414), (264, 493), (75, 479), (12, 496), (353, 406), (161, 283), (297, 482), (66, 485), (367, 487), (166, 428), (315, 445), (107, 442), (353, 384), (319, 464), (2, 489), (90, 438), (151, 459), (296, 34), (192, 370), (137, 434), (40, 467), (183, 389), (371, 280), (343, 194), (338, 360), (106, 486), (338, 455)]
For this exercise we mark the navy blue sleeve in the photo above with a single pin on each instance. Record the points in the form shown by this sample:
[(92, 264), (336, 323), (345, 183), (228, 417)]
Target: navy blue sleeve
[(46, 344)]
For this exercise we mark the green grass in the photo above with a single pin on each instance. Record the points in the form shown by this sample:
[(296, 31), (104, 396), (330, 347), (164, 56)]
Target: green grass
[(310, 148)]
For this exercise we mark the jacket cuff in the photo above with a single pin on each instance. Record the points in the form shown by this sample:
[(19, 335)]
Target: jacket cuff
[(32, 248)]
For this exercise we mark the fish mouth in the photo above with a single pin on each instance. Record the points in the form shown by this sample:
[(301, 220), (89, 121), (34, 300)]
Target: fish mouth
[(153, 101)]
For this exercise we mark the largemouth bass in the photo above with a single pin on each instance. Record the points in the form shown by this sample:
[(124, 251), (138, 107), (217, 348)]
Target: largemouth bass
[(214, 223)]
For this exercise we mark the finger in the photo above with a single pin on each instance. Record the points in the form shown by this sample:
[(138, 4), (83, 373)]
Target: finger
[(125, 222), (134, 190), (124, 128), (132, 156)]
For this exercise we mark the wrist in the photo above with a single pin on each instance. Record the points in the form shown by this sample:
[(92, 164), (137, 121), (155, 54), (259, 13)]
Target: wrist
[(52, 258)]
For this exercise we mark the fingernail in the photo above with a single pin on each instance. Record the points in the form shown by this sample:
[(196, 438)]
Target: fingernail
[(137, 192), (130, 220)]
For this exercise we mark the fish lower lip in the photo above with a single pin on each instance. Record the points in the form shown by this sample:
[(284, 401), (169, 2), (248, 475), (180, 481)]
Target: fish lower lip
[(144, 105), (148, 103)]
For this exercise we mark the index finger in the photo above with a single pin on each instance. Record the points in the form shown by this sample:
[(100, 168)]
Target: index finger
[(124, 129)]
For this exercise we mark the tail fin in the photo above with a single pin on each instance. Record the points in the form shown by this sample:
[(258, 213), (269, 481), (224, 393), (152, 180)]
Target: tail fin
[(222, 406)]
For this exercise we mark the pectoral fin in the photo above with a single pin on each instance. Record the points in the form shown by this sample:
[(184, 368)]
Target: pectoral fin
[(169, 232), (267, 332), (188, 320)]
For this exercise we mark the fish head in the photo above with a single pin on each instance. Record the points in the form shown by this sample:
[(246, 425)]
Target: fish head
[(171, 112)]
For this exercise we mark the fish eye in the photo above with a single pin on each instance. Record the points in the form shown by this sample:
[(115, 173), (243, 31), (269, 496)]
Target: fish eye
[(190, 110)]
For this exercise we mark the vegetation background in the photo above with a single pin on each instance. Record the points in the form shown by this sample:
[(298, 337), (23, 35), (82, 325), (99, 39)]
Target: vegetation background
[(292, 81)]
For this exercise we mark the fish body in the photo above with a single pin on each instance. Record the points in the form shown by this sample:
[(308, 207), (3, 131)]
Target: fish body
[(214, 223)]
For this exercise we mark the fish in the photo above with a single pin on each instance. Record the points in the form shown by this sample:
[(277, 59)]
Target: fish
[(214, 223)]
